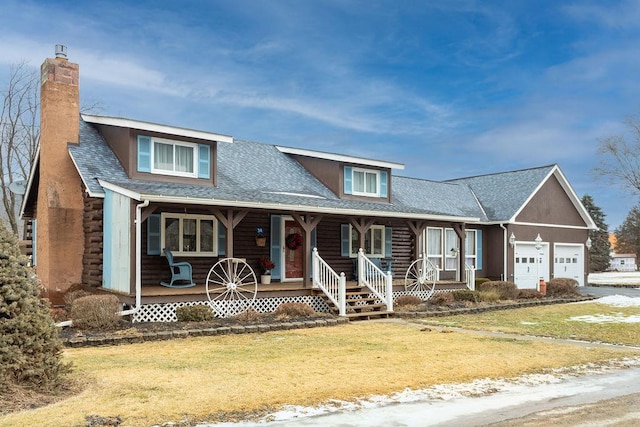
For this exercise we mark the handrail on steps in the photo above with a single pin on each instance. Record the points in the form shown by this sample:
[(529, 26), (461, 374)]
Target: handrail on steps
[(379, 282), (333, 285), (470, 276)]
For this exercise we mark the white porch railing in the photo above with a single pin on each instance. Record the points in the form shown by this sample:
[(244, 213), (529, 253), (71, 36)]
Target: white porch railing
[(333, 285), (471, 276), (379, 282)]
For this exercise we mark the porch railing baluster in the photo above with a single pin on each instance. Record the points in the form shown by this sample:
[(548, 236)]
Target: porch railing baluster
[(332, 284), (379, 282)]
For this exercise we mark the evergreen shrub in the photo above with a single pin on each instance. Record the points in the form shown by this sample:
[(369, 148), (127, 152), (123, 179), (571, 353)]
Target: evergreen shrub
[(195, 313), (30, 347)]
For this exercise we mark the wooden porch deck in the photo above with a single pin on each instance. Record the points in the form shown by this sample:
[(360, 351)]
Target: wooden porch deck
[(295, 286)]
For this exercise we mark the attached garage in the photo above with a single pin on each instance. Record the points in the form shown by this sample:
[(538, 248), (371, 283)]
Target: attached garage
[(569, 261), (530, 265)]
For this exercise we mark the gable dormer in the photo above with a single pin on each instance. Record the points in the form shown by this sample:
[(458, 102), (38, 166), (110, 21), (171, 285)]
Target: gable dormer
[(349, 177), (154, 152)]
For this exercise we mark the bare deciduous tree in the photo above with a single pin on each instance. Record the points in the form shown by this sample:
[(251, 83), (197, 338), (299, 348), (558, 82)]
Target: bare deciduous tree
[(19, 134), (620, 156)]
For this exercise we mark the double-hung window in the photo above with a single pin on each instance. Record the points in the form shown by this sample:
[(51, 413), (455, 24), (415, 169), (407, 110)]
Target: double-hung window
[(374, 242), (366, 182), (187, 234), (470, 248), (451, 249), (177, 158), (434, 246), (174, 158)]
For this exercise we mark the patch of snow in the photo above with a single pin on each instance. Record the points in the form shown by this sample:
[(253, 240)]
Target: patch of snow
[(619, 301), (616, 278), (603, 318), (460, 395), (528, 323)]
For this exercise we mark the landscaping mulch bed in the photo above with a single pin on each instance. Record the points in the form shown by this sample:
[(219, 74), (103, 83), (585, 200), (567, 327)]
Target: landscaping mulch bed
[(129, 333)]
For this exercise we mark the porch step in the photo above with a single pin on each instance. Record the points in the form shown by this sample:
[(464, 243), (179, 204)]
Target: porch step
[(360, 305)]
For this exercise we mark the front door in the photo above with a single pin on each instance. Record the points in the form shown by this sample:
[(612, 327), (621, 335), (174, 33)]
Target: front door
[(293, 252)]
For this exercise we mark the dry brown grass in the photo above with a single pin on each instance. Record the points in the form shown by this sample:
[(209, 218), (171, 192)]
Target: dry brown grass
[(200, 378)]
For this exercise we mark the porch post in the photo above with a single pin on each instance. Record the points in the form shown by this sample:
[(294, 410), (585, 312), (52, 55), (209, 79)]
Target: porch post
[(417, 227), (460, 231), (362, 226), (308, 224), (230, 220)]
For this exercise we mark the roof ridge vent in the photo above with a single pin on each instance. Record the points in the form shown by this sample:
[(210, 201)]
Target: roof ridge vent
[(61, 51)]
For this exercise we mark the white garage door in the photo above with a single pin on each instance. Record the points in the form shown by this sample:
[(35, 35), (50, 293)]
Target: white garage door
[(528, 270), (569, 262)]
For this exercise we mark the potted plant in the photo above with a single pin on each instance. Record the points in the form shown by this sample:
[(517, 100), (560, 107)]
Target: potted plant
[(266, 265)]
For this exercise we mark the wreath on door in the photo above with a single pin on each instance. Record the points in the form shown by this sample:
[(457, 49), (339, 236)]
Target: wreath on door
[(293, 241)]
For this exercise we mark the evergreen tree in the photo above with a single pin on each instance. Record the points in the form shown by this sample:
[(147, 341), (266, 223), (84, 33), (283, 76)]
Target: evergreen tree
[(30, 348), (599, 254), (628, 234)]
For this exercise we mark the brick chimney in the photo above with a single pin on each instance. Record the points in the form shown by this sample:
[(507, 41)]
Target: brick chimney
[(59, 209)]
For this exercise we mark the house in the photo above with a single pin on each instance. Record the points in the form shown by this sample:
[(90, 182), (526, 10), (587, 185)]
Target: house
[(620, 262), (623, 262), (107, 195)]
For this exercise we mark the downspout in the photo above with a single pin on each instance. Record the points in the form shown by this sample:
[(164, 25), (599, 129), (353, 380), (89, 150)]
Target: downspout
[(135, 309), (138, 265), (504, 242)]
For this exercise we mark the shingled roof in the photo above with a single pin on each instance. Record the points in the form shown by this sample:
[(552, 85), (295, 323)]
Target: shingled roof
[(261, 175), (501, 195)]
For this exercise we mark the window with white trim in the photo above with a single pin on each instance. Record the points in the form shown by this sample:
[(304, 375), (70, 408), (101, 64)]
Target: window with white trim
[(174, 158), (374, 242), (470, 248), (450, 242), (189, 234), (434, 246), (366, 182)]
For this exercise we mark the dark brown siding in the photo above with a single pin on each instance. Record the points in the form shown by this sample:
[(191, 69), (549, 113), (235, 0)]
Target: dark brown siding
[(493, 253), (331, 174), (124, 144), (328, 172), (92, 257), (118, 140), (155, 268), (551, 205)]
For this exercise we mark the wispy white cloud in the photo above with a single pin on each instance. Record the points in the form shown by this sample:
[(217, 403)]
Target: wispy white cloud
[(624, 14)]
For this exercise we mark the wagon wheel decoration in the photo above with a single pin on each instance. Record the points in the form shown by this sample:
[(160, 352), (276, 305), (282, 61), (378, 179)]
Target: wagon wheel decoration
[(421, 277), (231, 287)]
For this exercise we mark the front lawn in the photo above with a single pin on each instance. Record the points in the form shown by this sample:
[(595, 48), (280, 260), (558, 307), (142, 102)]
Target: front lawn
[(557, 321), (222, 377)]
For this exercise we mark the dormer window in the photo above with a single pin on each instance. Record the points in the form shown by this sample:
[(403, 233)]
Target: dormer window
[(173, 158), (365, 182), (176, 158)]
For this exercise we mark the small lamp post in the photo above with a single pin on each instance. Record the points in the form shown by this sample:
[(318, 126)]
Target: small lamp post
[(538, 241), (512, 240)]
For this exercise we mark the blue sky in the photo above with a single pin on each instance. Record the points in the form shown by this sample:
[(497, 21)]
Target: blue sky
[(448, 88)]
